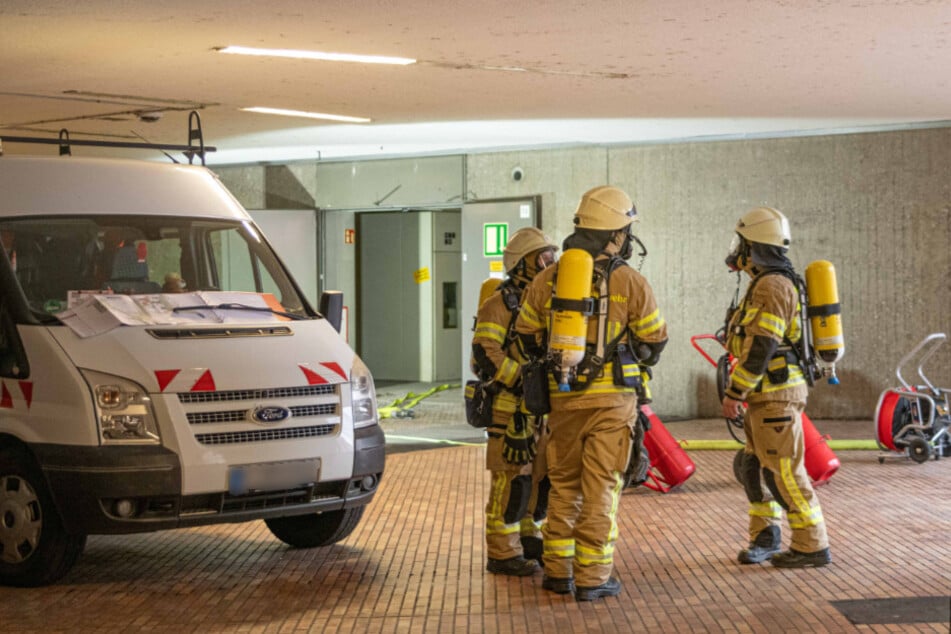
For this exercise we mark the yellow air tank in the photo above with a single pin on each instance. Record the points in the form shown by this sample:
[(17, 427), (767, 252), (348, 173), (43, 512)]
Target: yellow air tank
[(824, 313), (569, 321), (488, 287)]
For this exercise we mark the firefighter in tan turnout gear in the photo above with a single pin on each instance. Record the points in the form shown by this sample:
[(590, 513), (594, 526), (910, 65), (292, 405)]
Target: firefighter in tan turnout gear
[(594, 408), (518, 492), (763, 334)]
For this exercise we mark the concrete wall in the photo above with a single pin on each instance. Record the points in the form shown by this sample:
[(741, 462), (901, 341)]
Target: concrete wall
[(878, 205)]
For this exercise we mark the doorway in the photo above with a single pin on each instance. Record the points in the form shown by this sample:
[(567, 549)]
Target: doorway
[(409, 292)]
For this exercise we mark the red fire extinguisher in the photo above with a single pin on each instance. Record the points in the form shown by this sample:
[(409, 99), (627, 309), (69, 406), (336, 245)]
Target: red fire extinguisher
[(670, 464)]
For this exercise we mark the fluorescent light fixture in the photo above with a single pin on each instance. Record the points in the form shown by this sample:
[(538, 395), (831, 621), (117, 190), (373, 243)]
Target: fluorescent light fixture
[(319, 55), (308, 115)]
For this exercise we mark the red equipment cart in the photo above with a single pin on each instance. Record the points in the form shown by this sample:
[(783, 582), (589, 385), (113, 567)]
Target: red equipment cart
[(915, 419)]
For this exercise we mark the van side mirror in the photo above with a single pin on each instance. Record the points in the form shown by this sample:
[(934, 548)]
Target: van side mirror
[(331, 307)]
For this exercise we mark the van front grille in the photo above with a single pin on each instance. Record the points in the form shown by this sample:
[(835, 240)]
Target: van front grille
[(314, 410), (232, 416), (261, 435), (256, 395)]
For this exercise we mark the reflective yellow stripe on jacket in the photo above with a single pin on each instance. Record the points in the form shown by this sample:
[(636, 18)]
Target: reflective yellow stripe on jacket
[(645, 326), (530, 316), (772, 323), (492, 331)]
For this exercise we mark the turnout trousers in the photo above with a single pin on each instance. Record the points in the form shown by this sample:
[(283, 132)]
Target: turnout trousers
[(518, 499), (774, 436), (587, 454)]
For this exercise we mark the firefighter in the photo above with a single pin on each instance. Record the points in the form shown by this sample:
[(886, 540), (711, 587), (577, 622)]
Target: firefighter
[(592, 421), (514, 452), (763, 334)]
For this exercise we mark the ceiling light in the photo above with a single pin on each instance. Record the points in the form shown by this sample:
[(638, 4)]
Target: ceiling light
[(320, 55), (308, 115)]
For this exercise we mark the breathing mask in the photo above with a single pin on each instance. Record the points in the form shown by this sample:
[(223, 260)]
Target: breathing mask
[(739, 254)]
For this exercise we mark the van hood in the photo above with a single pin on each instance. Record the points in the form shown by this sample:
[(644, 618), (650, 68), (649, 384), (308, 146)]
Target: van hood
[(170, 359)]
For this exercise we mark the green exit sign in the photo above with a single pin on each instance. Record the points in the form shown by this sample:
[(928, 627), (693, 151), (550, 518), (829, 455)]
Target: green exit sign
[(494, 238)]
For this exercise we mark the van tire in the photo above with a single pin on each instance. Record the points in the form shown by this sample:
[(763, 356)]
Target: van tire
[(35, 549), (316, 529)]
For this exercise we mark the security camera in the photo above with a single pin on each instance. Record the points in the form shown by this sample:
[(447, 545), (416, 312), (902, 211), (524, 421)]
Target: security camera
[(518, 174), (150, 116)]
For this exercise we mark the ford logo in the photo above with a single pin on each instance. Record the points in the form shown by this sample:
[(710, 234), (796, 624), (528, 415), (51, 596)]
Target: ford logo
[(270, 414)]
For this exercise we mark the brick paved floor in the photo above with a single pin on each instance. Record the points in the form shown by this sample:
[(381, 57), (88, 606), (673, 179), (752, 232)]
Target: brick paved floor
[(416, 564)]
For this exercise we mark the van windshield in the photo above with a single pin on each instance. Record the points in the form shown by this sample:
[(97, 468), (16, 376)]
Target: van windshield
[(56, 257)]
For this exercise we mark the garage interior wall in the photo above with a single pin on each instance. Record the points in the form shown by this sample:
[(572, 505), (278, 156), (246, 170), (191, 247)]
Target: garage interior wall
[(876, 204)]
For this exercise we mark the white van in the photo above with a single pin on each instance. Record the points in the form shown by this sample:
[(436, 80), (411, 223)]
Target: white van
[(160, 368)]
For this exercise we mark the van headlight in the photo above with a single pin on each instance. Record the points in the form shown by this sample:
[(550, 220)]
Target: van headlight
[(362, 394), (123, 410)]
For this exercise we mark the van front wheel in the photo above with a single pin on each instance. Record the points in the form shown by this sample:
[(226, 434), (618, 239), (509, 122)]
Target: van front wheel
[(34, 548), (316, 529)]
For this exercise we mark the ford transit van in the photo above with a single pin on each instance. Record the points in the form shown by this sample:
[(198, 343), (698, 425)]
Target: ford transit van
[(160, 368)]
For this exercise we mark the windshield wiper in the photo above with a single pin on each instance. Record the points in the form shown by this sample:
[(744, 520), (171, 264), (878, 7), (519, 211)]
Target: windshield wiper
[(233, 306)]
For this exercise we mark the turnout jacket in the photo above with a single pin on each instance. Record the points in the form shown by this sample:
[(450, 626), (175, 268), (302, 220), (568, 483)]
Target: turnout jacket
[(632, 310), (495, 355), (758, 336)]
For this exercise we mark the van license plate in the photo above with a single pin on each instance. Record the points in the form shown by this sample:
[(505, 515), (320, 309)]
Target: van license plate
[(272, 476)]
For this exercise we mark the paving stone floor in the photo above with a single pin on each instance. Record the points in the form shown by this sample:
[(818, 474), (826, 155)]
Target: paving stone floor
[(416, 562)]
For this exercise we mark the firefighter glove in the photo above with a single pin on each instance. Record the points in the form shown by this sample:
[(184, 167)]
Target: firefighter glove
[(518, 444)]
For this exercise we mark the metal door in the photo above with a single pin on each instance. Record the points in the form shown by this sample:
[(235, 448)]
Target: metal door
[(389, 292)]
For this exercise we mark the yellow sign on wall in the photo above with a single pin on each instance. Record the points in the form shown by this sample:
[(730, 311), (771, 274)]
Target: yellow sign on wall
[(495, 266), (421, 275)]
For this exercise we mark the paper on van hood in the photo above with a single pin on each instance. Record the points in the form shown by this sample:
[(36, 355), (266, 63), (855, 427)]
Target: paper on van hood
[(171, 359), (91, 314)]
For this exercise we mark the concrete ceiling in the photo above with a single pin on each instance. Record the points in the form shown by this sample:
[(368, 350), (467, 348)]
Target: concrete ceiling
[(491, 74)]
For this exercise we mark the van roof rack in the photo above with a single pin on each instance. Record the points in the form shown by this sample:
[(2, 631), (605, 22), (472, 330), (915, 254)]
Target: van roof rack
[(195, 147)]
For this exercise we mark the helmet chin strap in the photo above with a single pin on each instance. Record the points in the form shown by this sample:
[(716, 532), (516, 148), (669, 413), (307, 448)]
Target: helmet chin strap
[(519, 275), (524, 272), (745, 264)]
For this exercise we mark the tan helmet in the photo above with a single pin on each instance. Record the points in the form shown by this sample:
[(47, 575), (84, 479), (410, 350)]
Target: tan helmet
[(605, 208), (524, 241), (765, 225)]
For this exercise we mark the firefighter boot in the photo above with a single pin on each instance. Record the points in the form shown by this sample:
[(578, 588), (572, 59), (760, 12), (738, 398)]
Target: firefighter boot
[(795, 559), (514, 567), (610, 588), (766, 544), (558, 585), (532, 549)]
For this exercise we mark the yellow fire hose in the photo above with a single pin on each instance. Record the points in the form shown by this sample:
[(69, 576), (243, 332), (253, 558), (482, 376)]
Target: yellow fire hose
[(403, 407)]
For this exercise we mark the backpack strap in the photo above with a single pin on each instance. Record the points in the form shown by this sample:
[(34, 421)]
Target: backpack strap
[(801, 350), (511, 297)]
